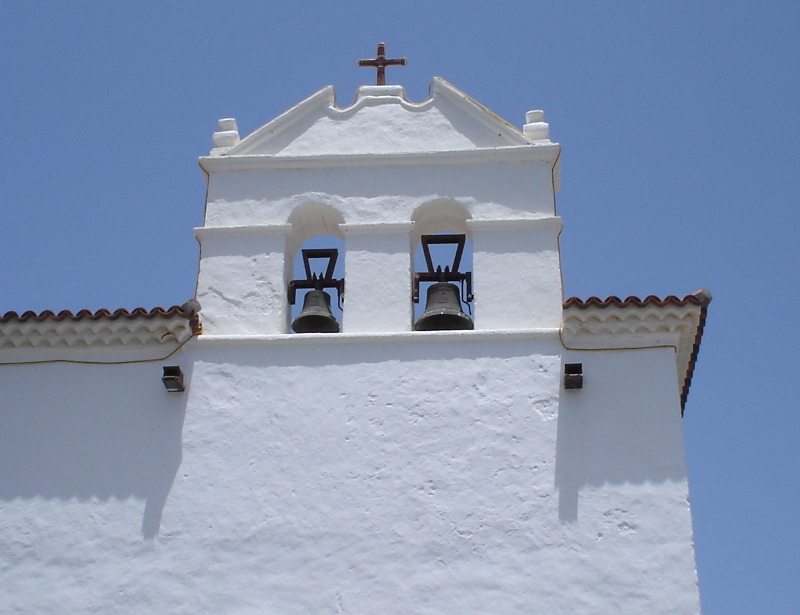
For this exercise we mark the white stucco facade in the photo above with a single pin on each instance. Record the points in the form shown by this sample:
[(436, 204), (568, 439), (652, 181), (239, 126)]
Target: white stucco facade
[(376, 470)]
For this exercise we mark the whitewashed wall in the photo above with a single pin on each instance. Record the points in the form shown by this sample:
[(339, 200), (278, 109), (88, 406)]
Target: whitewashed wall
[(351, 475)]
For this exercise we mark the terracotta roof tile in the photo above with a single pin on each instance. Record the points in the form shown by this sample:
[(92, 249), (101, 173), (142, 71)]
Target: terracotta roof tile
[(701, 297), (175, 310)]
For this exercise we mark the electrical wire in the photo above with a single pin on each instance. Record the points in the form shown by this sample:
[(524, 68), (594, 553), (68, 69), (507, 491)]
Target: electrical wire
[(82, 362)]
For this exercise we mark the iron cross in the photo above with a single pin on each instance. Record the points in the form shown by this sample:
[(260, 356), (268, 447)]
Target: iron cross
[(381, 63)]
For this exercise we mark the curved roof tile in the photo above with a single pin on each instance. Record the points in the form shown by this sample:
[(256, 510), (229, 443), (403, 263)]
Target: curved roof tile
[(701, 297), (139, 312)]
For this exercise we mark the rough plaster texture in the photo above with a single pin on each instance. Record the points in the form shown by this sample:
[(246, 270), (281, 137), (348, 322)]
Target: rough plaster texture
[(378, 274), (242, 283), (518, 272), (502, 190), (446, 476)]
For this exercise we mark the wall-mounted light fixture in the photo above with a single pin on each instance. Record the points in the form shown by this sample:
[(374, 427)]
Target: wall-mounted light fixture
[(573, 375), (173, 379)]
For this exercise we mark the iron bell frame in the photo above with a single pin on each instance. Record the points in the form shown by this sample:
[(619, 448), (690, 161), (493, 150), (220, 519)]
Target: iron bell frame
[(312, 281), (448, 274)]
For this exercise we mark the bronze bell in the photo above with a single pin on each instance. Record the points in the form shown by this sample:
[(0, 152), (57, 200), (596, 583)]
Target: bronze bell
[(316, 317), (443, 310)]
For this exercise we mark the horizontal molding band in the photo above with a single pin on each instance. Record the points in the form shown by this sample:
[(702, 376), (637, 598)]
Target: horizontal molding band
[(514, 224), (377, 228), (549, 333), (202, 232), (514, 153)]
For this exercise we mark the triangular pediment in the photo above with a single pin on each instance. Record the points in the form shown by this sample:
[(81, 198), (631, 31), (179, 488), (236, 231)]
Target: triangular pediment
[(381, 121)]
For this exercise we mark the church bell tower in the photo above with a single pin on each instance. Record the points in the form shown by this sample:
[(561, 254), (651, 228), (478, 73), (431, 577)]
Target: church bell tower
[(435, 429)]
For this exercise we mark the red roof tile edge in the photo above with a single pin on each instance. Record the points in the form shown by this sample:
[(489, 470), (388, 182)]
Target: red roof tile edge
[(687, 382), (701, 297), (189, 310)]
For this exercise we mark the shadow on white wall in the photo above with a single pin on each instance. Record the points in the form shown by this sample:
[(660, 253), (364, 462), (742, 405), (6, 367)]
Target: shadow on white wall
[(624, 426), (91, 432)]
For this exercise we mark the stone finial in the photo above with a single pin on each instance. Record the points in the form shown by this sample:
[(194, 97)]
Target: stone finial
[(228, 134), (367, 91), (535, 128)]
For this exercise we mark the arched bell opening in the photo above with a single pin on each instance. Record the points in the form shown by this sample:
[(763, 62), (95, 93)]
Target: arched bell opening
[(315, 270), (442, 290)]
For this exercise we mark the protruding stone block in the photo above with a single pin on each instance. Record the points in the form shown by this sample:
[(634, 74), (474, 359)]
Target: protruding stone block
[(228, 133), (536, 129)]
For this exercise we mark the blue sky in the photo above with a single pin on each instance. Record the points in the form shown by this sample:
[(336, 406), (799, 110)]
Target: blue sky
[(679, 127)]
